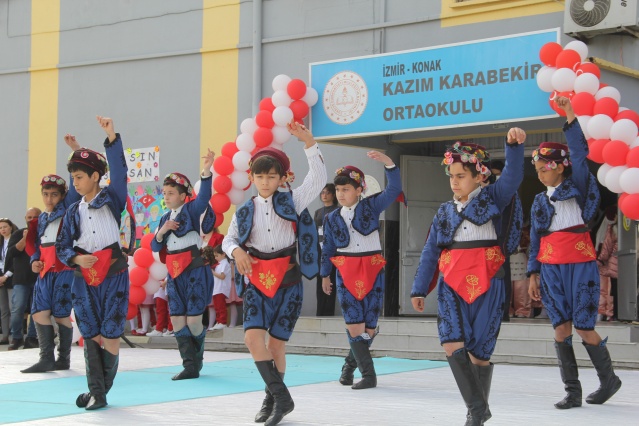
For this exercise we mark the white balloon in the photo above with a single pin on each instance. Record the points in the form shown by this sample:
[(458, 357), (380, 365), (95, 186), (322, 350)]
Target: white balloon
[(158, 271), (130, 262), (624, 130), (281, 98), (563, 80), (629, 181), (583, 123), (151, 286), (156, 256), (282, 115), (635, 143), (612, 178), (608, 92), (280, 82), (236, 196), (277, 145), (248, 126), (602, 172), (544, 77), (587, 82), (280, 134), (245, 142), (240, 179), (310, 97), (579, 47), (599, 126), (241, 160)]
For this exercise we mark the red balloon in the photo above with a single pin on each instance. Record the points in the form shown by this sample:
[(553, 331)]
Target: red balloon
[(136, 295), (223, 165), (596, 150), (299, 108), (296, 88), (622, 198), (138, 276), (145, 243), (588, 67), (630, 206), (615, 152), (222, 184), (143, 257), (220, 202), (132, 311), (632, 158), (229, 149), (629, 115), (607, 106), (264, 119), (583, 103), (219, 219), (262, 137), (266, 104), (548, 53), (568, 59)]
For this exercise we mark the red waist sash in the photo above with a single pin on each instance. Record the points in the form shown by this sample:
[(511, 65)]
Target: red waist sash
[(98, 272), (566, 247), (359, 272), (267, 275), (178, 262), (50, 260), (469, 271)]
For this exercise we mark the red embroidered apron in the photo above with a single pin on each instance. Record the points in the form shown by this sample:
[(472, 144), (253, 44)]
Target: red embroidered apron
[(178, 262), (50, 260), (566, 247), (267, 275), (359, 272), (469, 271), (98, 272)]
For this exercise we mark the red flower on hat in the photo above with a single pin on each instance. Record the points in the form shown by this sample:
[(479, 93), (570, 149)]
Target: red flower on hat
[(84, 154)]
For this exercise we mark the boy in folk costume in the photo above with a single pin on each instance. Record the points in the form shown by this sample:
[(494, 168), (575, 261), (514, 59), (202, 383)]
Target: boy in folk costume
[(351, 243), (463, 245), (52, 290), (261, 238), (562, 265), (89, 241), (190, 282)]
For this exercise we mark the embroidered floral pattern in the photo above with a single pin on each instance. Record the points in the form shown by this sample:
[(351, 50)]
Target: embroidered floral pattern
[(338, 261), (494, 255), (445, 258), (473, 288), (586, 249), (546, 254), (359, 288)]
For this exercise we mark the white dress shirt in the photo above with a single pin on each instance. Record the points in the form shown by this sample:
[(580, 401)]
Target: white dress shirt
[(98, 228), (191, 238), (567, 213), (358, 243), (468, 231), (51, 231)]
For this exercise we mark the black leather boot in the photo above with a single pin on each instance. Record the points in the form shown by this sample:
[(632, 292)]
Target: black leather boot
[(350, 364), (64, 348), (283, 403), (110, 364), (362, 355), (470, 387), (569, 375), (47, 346), (95, 376), (189, 358), (486, 379), (267, 405), (609, 382), (198, 343)]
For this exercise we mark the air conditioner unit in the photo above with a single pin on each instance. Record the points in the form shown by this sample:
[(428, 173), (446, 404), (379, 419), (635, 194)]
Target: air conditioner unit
[(588, 18)]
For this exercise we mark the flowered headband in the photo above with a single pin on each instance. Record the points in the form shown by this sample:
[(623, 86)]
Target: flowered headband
[(354, 173), (54, 180), (468, 153), (553, 154), (181, 180)]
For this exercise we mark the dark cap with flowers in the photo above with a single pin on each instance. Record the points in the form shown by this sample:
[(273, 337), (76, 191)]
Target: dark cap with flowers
[(464, 152), (91, 159), (181, 180), (552, 153), (353, 173), (54, 180)]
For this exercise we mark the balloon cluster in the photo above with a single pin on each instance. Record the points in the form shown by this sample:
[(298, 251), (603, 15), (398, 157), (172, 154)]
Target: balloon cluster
[(291, 100), (611, 130), (145, 273)]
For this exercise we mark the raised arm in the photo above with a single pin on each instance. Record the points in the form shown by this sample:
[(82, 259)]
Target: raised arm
[(201, 202), (117, 163), (505, 188)]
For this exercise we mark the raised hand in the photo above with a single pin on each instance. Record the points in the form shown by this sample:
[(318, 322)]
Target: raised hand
[(382, 158), (300, 132), (208, 162), (516, 134), (107, 124), (69, 139)]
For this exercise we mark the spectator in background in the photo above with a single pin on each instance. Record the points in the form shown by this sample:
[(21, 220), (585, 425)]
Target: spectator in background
[(6, 229), (607, 260), (325, 302)]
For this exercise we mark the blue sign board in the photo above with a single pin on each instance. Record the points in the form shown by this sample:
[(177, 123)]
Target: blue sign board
[(477, 82)]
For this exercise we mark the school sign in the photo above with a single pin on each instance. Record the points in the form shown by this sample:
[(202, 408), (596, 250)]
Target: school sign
[(478, 82)]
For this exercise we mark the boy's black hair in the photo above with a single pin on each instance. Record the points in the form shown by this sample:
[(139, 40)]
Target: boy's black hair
[(265, 164), (181, 189), (345, 180), (470, 167), (51, 186), (73, 167)]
